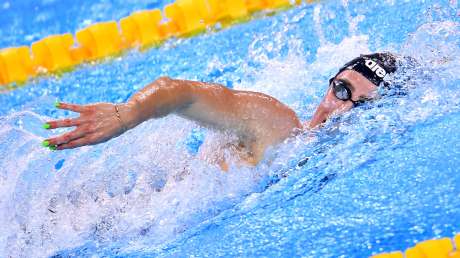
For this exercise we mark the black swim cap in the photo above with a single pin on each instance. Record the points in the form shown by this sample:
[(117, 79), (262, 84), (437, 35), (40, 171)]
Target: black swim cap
[(375, 67)]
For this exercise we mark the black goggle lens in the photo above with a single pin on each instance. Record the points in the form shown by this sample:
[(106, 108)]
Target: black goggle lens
[(341, 90)]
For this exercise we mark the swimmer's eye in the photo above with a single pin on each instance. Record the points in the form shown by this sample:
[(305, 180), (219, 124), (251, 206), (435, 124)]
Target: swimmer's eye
[(341, 90)]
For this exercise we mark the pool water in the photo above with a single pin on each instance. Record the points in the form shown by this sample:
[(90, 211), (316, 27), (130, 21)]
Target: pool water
[(380, 178)]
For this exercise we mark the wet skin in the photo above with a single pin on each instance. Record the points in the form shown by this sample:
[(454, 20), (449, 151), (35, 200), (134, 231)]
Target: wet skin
[(259, 120), (361, 88)]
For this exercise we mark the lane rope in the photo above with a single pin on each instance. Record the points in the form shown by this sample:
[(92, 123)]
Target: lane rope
[(142, 29)]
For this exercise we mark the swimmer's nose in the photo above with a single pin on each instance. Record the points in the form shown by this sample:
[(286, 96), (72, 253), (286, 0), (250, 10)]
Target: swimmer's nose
[(330, 105)]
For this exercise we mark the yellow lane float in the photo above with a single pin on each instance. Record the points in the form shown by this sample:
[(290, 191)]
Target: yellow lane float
[(183, 18), (15, 65), (141, 28), (435, 248), (53, 53), (100, 39)]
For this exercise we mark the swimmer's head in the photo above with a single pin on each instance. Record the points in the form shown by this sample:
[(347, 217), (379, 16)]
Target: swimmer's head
[(374, 67), (357, 81)]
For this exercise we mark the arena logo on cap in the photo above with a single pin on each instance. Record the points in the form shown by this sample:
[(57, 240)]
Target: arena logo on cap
[(376, 68)]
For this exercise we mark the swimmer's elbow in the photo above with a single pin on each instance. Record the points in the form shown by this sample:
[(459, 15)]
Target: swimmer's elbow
[(166, 82), (163, 79)]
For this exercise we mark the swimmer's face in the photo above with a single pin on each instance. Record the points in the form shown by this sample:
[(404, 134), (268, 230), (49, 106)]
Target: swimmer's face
[(361, 88)]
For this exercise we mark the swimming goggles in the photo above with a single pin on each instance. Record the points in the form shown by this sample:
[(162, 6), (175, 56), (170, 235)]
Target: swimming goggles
[(342, 91)]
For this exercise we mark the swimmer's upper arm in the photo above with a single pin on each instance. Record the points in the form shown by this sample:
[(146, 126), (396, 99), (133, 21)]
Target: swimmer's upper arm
[(251, 114), (212, 105)]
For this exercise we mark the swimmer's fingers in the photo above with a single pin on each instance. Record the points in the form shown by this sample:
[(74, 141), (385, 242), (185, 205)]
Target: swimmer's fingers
[(72, 107), (86, 140), (73, 144), (66, 138), (68, 122)]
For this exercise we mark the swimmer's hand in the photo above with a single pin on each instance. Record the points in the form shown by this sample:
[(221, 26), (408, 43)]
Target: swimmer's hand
[(97, 123)]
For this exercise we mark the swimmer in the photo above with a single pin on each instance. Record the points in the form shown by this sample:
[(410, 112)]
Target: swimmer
[(257, 120)]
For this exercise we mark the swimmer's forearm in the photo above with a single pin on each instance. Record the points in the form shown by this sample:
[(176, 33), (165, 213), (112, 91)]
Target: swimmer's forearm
[(166, 96), (158, 99)]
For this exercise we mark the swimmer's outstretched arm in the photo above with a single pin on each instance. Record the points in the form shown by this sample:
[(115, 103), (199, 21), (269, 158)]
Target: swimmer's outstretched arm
[(259, 119)]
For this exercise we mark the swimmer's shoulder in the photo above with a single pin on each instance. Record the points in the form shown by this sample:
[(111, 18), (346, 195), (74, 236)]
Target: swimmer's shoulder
[(270, 117)]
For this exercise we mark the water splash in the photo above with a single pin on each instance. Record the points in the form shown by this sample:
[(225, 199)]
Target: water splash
[(147, 192)]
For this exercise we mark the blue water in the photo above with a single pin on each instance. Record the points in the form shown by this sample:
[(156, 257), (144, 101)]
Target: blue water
[(379, 178)]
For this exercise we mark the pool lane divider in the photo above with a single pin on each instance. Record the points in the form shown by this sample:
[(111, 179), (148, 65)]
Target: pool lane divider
[(142, 29), (147, 28), (435, 248)]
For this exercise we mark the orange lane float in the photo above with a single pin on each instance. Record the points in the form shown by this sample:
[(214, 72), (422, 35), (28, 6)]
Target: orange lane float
[(183, 18)]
